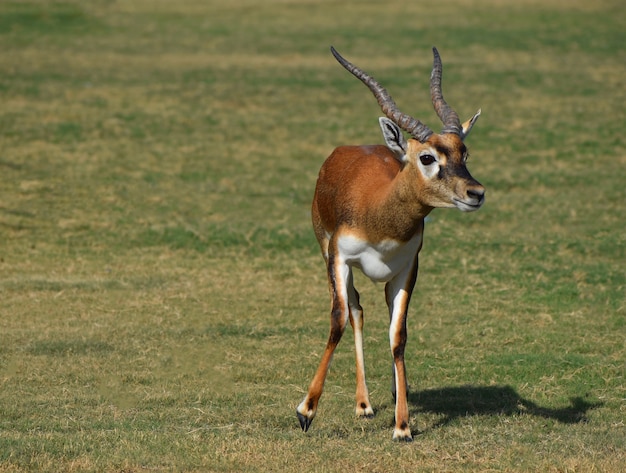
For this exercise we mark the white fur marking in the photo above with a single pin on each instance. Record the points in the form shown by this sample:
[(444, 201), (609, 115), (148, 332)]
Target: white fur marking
[(381, 261), (431, 170)]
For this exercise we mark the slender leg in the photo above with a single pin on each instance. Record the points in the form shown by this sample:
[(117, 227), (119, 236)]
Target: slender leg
[(398, 294), (339, 275), (363, 406)]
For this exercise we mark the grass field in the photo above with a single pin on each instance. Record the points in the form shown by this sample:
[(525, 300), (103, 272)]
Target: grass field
[(163, 302)]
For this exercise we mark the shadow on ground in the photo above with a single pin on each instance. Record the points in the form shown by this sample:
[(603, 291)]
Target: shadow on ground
[(463, 401)]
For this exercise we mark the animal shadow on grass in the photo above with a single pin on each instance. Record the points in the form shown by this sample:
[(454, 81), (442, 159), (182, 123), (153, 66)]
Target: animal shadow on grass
[(455, 402)]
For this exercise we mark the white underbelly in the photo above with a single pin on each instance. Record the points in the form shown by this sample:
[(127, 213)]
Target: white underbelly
[(382, 261)]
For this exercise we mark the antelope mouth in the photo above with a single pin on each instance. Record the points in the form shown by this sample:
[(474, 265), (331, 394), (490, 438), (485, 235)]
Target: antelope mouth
[(466, 206)]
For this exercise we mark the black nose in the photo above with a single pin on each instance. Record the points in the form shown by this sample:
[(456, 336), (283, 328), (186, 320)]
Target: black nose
[(477, 194)]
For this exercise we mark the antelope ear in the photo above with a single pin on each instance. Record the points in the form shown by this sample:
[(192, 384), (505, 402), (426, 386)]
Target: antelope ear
[(467, 126), (393, 136)]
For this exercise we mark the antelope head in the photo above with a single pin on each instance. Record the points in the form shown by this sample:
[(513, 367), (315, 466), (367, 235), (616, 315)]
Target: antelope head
[(439, 160)]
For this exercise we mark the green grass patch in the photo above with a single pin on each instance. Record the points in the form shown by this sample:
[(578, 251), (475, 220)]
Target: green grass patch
[(43, 18)]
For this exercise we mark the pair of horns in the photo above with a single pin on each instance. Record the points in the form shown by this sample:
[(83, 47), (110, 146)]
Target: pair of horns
[(419, 131)]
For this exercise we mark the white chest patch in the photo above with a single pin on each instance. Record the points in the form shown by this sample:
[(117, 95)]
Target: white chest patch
[(382, 261)]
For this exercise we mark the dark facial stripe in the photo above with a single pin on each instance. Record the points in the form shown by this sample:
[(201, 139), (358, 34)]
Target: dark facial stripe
[(445, 151)]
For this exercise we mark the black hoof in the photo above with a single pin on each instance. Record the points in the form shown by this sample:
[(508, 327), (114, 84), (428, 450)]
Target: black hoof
[(305, 422)]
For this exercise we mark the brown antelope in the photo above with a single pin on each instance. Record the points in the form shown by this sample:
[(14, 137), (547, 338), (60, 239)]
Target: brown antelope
[(368, 212)]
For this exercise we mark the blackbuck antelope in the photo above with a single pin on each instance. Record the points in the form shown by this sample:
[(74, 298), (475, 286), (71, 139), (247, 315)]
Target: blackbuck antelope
[(368, 212)]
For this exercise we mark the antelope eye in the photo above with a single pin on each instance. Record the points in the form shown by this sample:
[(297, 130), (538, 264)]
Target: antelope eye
[(427, 159)]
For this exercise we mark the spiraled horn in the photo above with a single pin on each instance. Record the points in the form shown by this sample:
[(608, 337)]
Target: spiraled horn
[(414, 127), (450, 119)]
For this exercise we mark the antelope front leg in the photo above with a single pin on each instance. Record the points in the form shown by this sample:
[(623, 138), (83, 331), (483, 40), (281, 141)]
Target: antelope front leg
[(398, 294), (363, 406), (339, 274)]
